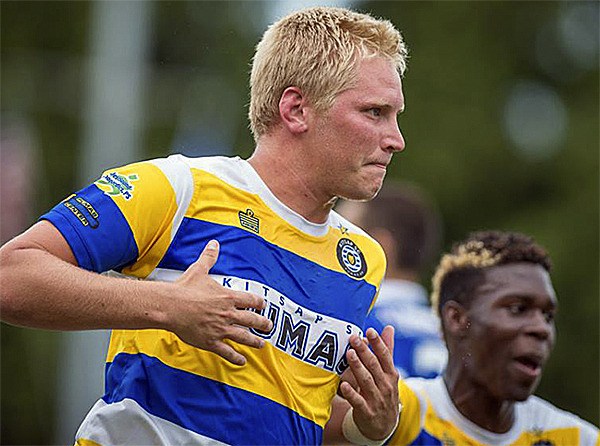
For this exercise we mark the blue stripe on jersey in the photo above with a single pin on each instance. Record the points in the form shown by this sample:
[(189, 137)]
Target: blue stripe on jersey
[(95, 229), (249, 256), (424, 439), (204, 406)]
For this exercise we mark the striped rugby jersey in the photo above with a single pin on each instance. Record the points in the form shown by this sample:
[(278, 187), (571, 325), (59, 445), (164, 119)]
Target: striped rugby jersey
[(430, 418), (151, 220)]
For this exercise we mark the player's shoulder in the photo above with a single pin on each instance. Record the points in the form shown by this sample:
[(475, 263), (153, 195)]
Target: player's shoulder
[(543, 414), (183, 171), (217, 165), (214, 164), (424, 388), (347, 227)]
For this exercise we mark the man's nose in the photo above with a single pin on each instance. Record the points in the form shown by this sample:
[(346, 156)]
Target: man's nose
[(394, 141), (539, 326)]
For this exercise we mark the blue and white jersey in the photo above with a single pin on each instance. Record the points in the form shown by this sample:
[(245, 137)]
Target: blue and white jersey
[(418, 346), (151, 220)]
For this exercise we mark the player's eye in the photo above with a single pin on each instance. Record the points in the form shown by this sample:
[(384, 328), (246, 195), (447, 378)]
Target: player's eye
[(549, 316), (375, 111), (517, 308)]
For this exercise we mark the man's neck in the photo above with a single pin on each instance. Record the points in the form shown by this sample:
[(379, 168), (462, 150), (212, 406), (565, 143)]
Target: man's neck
[(475, 404), (291, 182)]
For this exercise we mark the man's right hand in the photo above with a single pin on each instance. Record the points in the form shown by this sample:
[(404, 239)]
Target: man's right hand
[(210, 313)]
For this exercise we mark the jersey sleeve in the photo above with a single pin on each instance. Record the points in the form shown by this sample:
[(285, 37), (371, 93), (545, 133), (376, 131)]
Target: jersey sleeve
[(126, 219)]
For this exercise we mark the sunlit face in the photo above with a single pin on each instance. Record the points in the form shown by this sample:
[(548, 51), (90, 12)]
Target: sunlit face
[(355, 139), (511, 331)]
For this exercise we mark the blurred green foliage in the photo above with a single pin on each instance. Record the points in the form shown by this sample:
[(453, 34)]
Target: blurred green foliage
[(465, 56)]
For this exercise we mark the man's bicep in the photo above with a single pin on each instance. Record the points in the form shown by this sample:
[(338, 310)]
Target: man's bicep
[(44, 236)]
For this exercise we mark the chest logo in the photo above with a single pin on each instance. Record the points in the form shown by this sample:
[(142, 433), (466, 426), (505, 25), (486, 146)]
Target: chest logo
[(351, 258), (248, 220)]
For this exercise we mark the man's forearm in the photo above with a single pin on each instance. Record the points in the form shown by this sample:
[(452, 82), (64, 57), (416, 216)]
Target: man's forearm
[(41, 287), (40, 290)]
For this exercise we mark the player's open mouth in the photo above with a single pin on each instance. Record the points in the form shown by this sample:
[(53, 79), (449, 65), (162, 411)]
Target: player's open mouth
[(530, 365)]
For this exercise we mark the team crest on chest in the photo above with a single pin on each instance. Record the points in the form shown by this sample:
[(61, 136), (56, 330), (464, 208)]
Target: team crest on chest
[(351, 258)]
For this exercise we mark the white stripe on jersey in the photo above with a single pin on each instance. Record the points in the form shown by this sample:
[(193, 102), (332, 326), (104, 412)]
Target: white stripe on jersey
[(105, 425)]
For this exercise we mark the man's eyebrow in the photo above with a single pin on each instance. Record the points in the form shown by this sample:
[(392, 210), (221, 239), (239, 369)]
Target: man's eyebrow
[(527, 298)]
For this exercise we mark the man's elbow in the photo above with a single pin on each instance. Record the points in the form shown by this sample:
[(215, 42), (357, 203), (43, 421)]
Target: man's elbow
[(12, 302)]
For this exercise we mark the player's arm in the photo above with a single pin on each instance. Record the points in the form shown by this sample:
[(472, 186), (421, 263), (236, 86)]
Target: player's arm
[(41, 286), (368, 411)]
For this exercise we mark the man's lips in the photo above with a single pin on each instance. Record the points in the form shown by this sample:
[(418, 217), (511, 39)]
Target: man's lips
[(379, 164), (530, 364)]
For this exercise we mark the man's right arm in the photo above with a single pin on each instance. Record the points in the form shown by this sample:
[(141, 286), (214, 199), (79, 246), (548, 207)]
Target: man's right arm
[(41, 286)]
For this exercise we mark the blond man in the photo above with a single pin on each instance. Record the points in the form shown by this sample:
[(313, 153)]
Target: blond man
[(211, 238)]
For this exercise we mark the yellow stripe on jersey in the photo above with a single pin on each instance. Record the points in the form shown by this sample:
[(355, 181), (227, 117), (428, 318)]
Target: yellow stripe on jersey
[(219, 202), (86, 442), (564, 436), (443, 429), (313, 386), (440, 428), (141, 202), (410, 418)]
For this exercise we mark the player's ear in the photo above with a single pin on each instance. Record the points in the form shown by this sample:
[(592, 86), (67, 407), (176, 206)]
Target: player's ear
[(455, 319), (293, 110)]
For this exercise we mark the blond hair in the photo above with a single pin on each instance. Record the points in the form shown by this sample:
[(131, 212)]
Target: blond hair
[(316, 50)]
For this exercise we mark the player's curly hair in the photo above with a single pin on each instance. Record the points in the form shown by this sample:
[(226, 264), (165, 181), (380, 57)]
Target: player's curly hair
[(461, 271)]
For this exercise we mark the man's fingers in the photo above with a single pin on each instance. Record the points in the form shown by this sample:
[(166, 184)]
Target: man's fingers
[(387, 335), (367, 369), (227, 352), (381, 347), (251, 319), (243, 336), (208, 258), (353, 396), (248, 300), (357, 362)]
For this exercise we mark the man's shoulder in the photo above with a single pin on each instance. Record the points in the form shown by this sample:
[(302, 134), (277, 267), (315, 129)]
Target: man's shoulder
[(541, 414), (208, 162), (425, 388), (178, 164), (347, 226), (221, 166)]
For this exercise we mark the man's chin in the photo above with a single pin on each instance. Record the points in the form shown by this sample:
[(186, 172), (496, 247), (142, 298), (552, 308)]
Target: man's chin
[(522, 392), (364, 193)]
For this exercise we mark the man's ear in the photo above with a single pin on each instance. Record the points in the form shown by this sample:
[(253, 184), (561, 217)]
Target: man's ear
[(293, 110), (455, 318)]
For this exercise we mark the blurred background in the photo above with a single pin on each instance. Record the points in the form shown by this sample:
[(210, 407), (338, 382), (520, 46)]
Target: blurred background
[(501, 124)]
